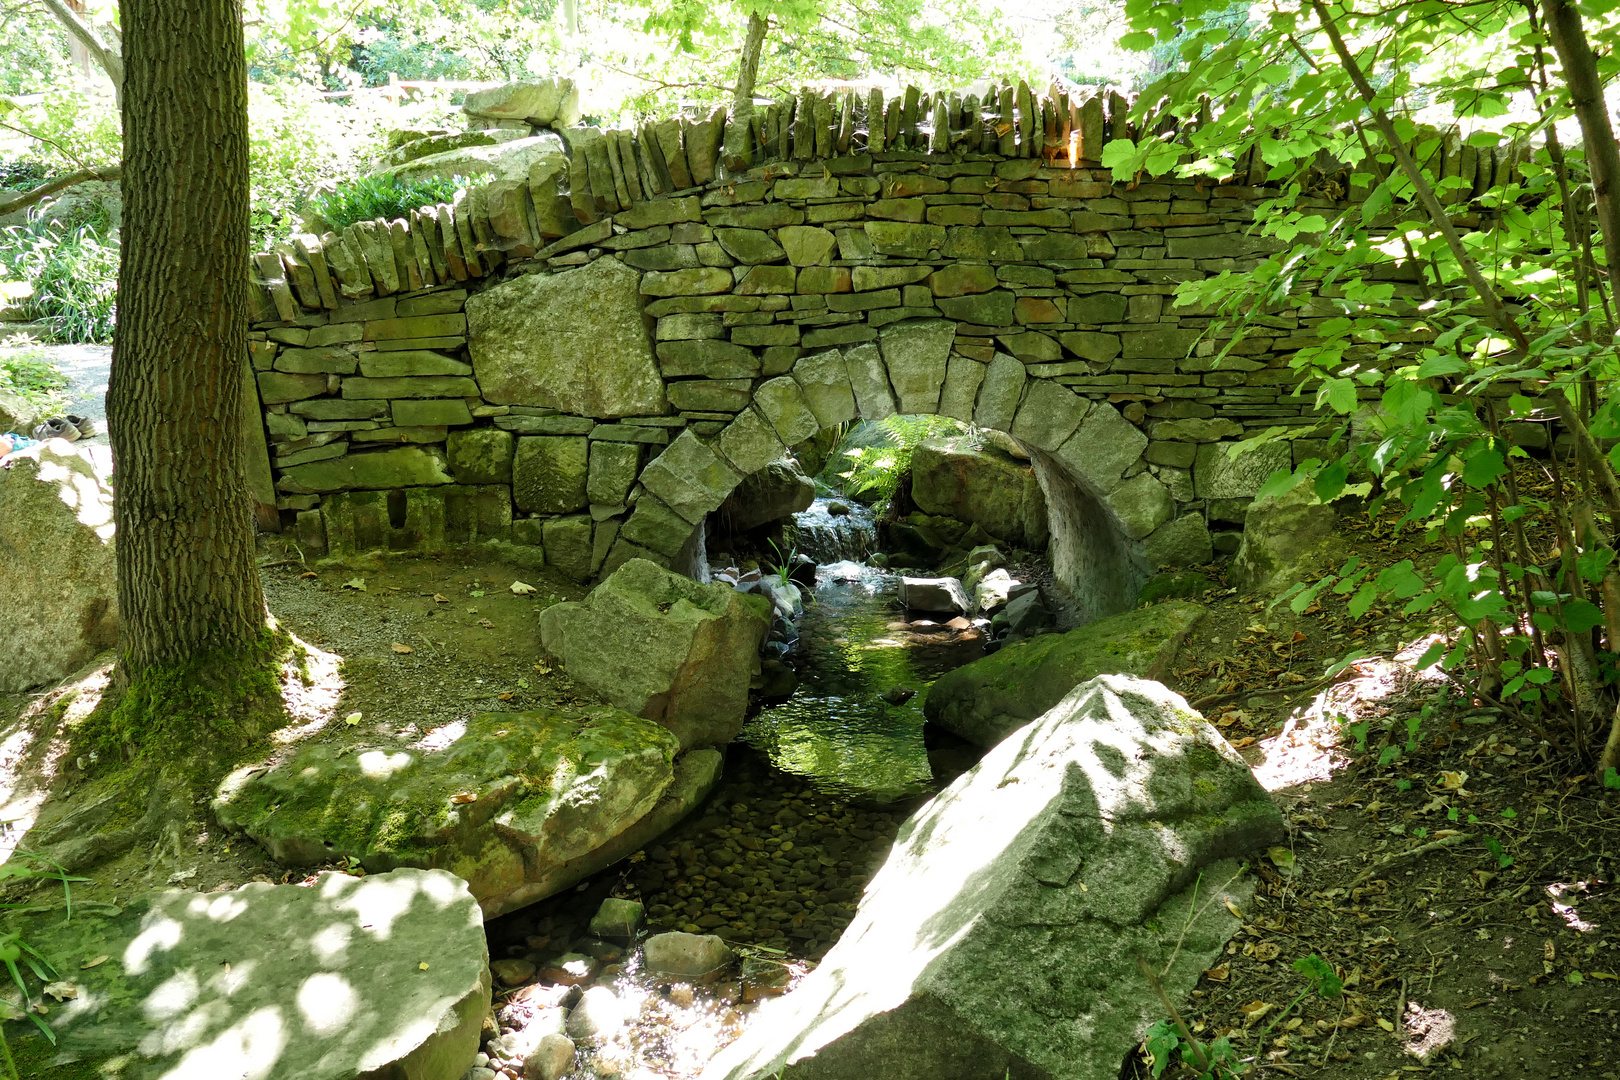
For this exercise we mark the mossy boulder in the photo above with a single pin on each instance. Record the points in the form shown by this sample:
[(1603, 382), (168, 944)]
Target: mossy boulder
[(665, 647), (950, 478), (985, 701), (1173, 585), (381, 976), (507, 804)]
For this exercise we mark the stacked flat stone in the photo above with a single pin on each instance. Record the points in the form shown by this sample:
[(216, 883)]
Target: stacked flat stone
[(584, 364)]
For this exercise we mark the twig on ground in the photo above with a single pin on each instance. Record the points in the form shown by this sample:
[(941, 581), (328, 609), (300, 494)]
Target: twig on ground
[(1399, 857)]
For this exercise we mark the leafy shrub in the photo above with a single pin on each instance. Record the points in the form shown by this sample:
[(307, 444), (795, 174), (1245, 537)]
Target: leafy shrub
[(73, 266), (24, 174), (878, 470), (35, 379), (301, 143), (384, 196)]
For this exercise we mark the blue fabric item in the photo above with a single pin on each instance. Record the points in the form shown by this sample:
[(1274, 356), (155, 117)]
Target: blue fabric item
[(18, 442)]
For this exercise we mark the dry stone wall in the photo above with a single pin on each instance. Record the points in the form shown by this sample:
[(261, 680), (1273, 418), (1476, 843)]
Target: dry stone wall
[(585, 364)]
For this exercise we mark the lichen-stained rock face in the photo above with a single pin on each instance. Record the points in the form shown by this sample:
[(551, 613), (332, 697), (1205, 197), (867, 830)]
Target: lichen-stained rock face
[(983, 702), (506, 802), (380, 976), (575, 341), (665, 647), (1002, 936), (952, 479), (56, 564)]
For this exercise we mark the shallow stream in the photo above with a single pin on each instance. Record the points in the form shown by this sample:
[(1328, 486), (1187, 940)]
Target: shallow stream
[(776, 860)]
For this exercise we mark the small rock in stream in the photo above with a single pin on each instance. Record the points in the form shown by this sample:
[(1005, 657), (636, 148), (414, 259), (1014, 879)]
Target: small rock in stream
[(617, 919), (598, 1016), (685, 955), (512, 972), (838, 509), (551, 1060), (898, 695)]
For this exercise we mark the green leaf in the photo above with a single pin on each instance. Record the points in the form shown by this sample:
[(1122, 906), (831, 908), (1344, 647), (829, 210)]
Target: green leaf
[(1339, 395), (1278, 483), (1137, 42), (1581, 616), (1363, 600), (1321, 975), (1378, 200), (1483, 468)]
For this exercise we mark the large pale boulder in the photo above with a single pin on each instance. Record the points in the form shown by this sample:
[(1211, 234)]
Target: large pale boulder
[(56, 564), (540, 102), (508, 804), (381, 976), (1286, 538), (574, 341), (1003, 934), (985, 701), (665, 647), (1001, 496), (508, 160)]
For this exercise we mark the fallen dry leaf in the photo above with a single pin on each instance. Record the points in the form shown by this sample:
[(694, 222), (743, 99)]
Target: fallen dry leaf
[(1254, 1010), (440, 598), (97, 962), (62, 991), (309, 574), (352, 719), (1267, 951), (1385, 1024), (1219, 974), (506, 696), (461, 797), (397, 647), (1233, 908), (520, 588), (486, 624), (358, 584), (422, 966), (1453, 781)]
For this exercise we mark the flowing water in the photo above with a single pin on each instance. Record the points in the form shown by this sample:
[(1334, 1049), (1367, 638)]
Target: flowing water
[(828, 537), (855, 646)]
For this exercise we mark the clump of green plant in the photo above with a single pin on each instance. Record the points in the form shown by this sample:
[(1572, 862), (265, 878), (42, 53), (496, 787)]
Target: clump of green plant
[(72, 264), (23, 866), (384, 196), (879, 469), (35, 379)]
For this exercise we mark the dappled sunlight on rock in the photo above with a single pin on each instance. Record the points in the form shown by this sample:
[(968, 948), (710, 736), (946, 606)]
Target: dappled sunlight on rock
[(327, 1002), (385, 975)]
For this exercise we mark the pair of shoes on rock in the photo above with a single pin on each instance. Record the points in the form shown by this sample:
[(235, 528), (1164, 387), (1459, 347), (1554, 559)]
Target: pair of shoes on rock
[(71, 428)]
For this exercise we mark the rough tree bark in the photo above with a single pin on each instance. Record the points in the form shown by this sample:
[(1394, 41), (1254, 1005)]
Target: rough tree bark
[(739, 131), (188, 587)]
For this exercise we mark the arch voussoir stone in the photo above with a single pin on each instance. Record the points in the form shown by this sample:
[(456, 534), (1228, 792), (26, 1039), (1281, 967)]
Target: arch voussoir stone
[(824, 378)]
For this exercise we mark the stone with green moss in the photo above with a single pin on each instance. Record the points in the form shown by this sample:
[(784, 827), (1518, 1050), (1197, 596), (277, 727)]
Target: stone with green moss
[(501, 804), (385, 975), (1174, 585), (985, 701), (664, 646)]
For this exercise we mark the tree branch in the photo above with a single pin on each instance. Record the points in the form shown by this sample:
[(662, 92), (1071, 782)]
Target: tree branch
[(106, 55), (1563, 25), (29, 198)]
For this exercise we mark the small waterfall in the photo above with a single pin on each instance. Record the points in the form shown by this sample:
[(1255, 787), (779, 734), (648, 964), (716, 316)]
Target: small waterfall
[(829, 538)]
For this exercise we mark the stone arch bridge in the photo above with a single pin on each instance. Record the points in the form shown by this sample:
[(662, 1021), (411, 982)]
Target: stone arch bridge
[(585, 377)]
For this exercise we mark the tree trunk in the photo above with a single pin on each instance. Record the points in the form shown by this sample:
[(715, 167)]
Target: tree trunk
[(86, 37), (738, 152), (188, 588), (1586, 93)]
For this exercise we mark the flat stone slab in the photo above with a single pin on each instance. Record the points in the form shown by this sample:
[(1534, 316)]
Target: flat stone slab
[(380, 976), (1003, 933), (510, 801), (985, 701)]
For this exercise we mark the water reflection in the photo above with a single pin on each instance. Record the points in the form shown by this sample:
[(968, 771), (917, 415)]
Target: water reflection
[(837, 730)]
